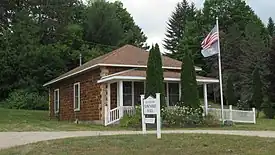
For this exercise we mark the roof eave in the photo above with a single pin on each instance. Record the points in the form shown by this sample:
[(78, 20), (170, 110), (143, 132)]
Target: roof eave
[(102, 80), (110, 65)]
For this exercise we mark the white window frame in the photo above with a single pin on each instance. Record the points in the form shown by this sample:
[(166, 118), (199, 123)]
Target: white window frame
[(78, 99), (56, 107)]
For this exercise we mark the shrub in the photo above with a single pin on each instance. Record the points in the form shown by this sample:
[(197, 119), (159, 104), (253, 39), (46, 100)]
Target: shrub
[(23, 99), (132, 121), (211, 121), (269, 109), (182, 116)]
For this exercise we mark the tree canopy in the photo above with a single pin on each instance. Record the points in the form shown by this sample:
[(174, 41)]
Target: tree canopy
[(39, 40)]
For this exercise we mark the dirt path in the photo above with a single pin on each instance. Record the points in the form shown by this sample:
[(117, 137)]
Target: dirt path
[(10, 139)]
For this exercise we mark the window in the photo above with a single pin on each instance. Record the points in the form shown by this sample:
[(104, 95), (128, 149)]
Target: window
[(56, 100), (173, 89), (77, 96), (138, 90), (127, 93)]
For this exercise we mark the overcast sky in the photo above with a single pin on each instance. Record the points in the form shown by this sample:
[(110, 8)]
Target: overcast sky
[(152, 15)]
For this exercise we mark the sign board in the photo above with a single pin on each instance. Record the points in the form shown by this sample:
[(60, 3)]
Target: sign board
[(151, 106), (150, 120)]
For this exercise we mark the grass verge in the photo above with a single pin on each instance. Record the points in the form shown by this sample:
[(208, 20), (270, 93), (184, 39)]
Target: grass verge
[(31, 120), (187, 144)]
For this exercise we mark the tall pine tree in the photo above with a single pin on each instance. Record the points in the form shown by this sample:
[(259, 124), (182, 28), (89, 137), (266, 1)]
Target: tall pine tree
[(154, 75), (176, 25), (271, 27), (190, 95), (271, 75)]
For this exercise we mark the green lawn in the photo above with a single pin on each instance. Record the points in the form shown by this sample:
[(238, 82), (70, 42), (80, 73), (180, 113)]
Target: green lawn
[(172, 144), (30, 120)]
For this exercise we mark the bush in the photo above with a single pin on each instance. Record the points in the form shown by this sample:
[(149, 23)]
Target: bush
[(132, 121), (182, 116), (269, 109), (23, 99), (173, 117), (211, 121)]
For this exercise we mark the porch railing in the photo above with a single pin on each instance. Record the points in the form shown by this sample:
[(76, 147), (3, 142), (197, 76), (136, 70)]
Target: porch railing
[(129, 110), (112, 116)]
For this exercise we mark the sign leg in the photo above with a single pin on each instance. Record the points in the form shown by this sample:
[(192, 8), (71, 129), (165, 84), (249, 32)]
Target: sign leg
[(142, 115), (158, 116)]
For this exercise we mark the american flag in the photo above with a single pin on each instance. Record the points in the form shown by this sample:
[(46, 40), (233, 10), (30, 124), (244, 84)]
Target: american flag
[(209, 44)]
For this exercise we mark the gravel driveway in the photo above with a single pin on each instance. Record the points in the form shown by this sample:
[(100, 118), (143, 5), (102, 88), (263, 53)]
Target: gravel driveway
[(10, 139)]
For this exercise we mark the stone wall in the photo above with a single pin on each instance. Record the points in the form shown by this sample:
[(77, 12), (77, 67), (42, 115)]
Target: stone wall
[(90, 97), (93, 96)]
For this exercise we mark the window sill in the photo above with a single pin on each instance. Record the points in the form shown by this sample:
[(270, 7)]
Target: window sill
[(56, 112), (76, 109)]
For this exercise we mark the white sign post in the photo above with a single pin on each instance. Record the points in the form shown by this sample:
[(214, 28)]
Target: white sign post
[(151, 106)]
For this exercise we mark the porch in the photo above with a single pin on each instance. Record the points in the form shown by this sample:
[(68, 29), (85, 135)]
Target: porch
[(124, 90)]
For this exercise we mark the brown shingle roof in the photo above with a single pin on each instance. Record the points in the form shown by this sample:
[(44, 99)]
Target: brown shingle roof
[(167, 75), (127, 55)]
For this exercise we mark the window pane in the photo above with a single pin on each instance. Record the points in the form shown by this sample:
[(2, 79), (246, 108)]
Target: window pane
[(56, 100), (139, 90), (173, 88), (127, 93), (76, 103), (173, 93), (76, 90), (127, 100), (76, 96)]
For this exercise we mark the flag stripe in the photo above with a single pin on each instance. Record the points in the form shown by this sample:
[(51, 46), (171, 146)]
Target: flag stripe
[(209, 44), (209, 40)]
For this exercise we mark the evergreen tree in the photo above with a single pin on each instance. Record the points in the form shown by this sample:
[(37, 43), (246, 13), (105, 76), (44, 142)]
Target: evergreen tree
[(230, 95), (154, 75), (190, 95), (271, 75), (257, 98), (254, 53), (191, 42), (271, 27), (238, 47), (176, 25)]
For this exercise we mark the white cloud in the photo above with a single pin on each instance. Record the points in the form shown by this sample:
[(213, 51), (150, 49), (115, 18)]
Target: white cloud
[(152, 15)]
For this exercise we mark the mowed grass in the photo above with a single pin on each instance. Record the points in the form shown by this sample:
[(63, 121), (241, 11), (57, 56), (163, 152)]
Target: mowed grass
[(170, 144), (31, 120)]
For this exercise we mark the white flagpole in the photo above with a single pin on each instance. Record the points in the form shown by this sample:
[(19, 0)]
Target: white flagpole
[(220, 69)]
